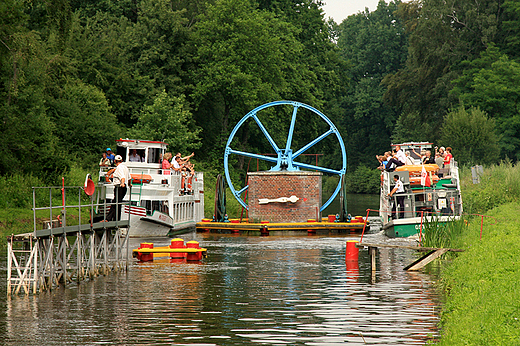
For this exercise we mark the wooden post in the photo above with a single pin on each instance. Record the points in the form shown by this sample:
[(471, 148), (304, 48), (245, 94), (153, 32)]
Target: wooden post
[(372, 253)]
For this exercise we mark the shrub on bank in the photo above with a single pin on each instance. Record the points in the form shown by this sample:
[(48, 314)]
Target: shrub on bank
[(499, 184), (363, 180)]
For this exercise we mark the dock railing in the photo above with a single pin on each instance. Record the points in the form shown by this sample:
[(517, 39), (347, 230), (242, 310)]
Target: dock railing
[(69, 246)]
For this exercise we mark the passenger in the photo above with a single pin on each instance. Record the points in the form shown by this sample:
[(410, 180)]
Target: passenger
[(166, 165), (399, 188), (110, 156), (121, 179), (398, 160), (448, 157), (380, 159), (386, 156), (409, 159), (178, 166), (428, 159), (134, 156), (104, 162), (185, 158), (439, 159), (440, 151)]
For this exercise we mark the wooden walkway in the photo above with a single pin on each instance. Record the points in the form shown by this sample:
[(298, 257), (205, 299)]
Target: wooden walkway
[(431, 254)]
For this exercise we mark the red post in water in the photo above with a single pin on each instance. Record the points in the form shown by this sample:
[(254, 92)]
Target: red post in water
[(193, 256), (177, 243), (352, 251), (145, 257)]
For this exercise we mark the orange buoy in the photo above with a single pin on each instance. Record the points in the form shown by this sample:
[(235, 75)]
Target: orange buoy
[(145, 257), (177, 243), (193, 256), (352, 251)]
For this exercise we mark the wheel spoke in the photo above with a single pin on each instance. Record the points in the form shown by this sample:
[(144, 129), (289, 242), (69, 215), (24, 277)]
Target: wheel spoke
[(254, 156), (241, 191), (308, 145), (266, 134), (317, 168), (291, 129)]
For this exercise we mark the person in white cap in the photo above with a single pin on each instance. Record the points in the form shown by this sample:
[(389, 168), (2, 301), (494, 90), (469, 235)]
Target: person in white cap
[(121, 179)]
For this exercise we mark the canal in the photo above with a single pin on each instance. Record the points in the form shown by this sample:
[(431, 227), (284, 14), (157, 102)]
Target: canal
[(287, 288)]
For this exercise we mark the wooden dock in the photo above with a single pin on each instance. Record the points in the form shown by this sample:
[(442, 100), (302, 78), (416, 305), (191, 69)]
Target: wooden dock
[(265, 228), (55, 256), (431, 254)]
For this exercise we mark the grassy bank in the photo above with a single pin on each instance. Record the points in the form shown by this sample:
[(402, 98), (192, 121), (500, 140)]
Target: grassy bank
[(481, 285)]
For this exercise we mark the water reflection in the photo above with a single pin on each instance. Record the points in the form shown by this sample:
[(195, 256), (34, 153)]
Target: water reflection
[(250, 290)]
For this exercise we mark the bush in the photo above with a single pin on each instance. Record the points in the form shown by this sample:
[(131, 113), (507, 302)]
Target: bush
[(363, 180), (499, 184)]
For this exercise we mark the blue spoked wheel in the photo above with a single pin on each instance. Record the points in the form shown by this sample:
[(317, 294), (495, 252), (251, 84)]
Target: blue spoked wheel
[(285, 157)]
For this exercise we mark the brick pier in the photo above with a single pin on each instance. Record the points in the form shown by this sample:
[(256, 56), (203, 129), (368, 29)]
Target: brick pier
[(272, 185)]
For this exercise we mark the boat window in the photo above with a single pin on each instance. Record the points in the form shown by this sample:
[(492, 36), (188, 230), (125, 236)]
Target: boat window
[(155, 205), (121, 151), (137, 156), (148, 205), (153, 155)]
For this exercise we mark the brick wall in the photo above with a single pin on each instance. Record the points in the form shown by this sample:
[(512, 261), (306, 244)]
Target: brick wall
[(302, 184)]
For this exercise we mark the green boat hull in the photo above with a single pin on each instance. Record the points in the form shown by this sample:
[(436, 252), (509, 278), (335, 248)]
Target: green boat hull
[(402, 231)]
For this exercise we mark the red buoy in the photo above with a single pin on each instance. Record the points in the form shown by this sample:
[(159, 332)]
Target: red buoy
[(145, 257), (352, 251), (193, 256), (177, 243)]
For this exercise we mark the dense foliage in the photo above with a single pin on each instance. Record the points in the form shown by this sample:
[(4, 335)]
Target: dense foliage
[(75, 75)]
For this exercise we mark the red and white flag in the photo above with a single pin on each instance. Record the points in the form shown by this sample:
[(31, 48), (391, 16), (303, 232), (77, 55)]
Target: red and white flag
[(425, 179)]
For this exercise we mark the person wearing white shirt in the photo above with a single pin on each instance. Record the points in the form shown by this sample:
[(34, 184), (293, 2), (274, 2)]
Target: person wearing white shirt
[(398, 188), (399, 158), (134, 156), (121, 179), (409, 159)]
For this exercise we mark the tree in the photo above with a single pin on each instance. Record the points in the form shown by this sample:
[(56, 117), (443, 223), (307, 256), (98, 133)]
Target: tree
[(168, 119), (83, 119), (492, 83), (245, 57), (374, 44), (442, 34), (472, 136)]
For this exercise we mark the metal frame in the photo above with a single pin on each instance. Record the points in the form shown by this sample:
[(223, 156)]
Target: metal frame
[(285, 157), (48, 258)]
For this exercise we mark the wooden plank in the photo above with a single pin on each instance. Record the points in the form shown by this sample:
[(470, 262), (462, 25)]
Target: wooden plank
[(418, 248), (424, 260)]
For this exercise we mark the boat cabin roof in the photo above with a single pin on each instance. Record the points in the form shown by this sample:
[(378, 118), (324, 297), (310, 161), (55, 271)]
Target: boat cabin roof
[(140, 144), (414, 145)]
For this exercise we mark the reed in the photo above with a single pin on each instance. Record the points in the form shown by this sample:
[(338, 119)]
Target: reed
[(442, 234)]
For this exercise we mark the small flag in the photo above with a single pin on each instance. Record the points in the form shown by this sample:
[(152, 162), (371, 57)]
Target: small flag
[(425, 179)]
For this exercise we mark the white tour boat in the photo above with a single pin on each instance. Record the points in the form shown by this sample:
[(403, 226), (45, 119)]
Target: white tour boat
[(156, 205), (440, 201)]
